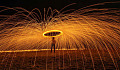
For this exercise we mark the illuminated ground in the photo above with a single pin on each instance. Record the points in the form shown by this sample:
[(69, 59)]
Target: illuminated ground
[(62, 59)]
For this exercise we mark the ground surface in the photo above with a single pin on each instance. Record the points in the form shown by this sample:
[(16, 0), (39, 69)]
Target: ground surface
[(61, 59)]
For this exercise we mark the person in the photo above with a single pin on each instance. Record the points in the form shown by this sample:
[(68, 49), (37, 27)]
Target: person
[(53, 44)]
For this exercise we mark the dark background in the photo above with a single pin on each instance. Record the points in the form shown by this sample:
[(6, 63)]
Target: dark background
[(55, 4)]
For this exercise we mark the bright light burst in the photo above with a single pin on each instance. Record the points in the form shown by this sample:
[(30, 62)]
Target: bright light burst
[(83, 28)]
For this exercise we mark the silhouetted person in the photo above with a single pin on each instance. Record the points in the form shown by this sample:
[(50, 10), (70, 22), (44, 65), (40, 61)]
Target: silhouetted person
[(53, 44)]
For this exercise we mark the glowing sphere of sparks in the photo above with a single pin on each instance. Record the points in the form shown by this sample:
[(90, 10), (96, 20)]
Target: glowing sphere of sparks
[(82, 28), (86, 28), (52, 33)]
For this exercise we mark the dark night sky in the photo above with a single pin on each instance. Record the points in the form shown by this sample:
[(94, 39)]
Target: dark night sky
[(55, 4)]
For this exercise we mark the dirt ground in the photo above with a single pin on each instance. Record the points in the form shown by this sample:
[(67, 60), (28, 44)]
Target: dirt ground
[(60, 60)]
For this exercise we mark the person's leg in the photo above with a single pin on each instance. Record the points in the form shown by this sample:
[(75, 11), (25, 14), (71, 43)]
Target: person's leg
[(54, 48)]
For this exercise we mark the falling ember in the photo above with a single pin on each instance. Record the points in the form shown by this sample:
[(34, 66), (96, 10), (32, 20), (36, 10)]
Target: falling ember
[(52, 33)]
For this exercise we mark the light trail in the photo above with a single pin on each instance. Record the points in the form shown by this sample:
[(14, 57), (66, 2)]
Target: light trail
[(37, 50)]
